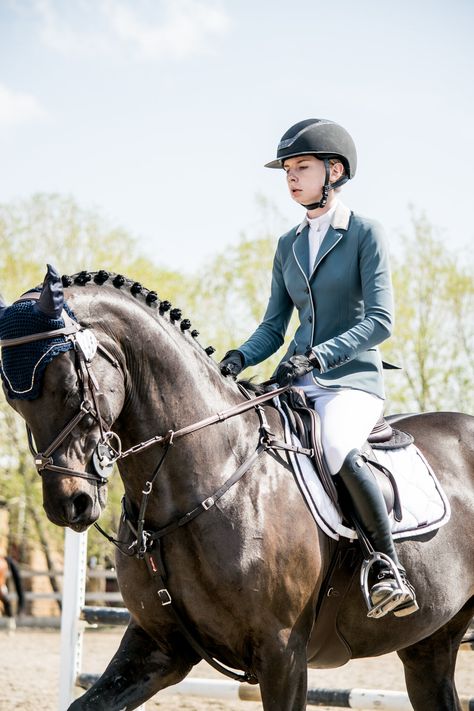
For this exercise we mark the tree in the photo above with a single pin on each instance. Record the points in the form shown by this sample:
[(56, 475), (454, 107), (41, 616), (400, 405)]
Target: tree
[(433, 338)]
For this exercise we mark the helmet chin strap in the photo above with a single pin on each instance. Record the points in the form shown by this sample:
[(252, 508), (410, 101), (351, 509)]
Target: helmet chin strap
[(327, 187)]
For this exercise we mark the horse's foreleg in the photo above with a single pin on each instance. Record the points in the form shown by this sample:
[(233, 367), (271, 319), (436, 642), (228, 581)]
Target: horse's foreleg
[(429, 666), (138, 670), (283, 678)]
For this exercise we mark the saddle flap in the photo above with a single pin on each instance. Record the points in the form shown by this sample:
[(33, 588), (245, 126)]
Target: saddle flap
[(305, 424)]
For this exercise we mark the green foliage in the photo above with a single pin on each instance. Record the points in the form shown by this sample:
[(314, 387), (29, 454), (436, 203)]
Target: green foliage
[(433, 338), (53, 228)]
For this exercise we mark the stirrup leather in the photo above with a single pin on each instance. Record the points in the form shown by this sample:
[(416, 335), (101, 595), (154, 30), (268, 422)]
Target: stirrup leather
[(392, 600)]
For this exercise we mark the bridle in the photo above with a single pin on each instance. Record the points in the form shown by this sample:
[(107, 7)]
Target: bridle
[(109, 447)]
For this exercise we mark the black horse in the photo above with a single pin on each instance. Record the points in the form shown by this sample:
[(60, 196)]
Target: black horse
[(244, 575), (9, 567)]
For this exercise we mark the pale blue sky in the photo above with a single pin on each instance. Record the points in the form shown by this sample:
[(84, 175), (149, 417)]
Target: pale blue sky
[(163, 112)]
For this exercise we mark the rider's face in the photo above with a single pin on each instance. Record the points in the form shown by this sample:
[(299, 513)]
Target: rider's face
[(305, 177)]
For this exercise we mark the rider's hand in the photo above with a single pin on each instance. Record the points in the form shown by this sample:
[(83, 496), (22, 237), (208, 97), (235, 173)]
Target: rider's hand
[(232, 363), (295, 367)]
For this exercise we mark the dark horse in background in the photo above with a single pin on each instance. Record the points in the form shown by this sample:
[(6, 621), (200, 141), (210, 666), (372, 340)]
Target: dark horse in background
[(245, 574), (9, 567)]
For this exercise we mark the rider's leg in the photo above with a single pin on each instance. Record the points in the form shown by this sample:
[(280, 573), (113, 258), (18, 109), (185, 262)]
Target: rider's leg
[(390, 593), (347, 418)]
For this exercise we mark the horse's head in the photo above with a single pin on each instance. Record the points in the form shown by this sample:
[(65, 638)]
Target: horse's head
[(69, 389)]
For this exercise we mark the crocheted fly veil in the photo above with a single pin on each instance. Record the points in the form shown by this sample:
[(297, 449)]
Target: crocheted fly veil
[(22, 366)]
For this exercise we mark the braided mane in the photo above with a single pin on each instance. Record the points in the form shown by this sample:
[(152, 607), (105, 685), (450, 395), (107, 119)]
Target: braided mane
[(136, 290)]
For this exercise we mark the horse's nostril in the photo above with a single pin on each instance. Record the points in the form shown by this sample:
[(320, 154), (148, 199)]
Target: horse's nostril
[(82, 505)]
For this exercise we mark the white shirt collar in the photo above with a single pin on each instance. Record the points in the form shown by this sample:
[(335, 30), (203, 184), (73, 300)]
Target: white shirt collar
[(319, 222)]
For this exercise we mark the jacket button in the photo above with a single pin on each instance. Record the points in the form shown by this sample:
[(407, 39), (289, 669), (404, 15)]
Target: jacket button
[(310, 319)]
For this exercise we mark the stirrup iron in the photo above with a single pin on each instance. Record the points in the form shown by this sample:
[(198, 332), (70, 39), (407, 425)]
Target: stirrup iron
[(391, 601)]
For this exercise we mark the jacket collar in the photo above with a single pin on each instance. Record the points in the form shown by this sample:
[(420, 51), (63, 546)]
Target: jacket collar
[(340, 219)]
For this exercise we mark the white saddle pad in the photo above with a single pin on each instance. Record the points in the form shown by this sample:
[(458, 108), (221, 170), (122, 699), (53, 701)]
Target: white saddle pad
[(424, 504)]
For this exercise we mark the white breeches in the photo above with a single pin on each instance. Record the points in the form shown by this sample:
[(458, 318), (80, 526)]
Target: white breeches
[(347, 418)]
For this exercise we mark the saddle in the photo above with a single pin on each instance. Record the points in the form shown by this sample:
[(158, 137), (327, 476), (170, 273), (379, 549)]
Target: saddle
[(304, 422)]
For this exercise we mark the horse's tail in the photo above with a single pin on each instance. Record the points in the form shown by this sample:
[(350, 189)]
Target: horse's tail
[(18, 584)]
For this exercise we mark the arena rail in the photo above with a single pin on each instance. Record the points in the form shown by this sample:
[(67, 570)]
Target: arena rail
[(75, 614)]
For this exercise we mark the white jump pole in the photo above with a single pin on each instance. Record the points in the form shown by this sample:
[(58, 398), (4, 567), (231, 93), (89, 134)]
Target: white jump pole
[(73, 598), (335, 698), (74, 585)]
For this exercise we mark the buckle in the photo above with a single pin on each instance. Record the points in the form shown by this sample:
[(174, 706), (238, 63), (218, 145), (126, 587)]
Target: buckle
[(41, 461), (208, 503), (164, 596)]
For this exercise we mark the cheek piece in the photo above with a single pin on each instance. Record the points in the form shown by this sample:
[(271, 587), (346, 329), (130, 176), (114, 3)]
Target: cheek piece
[(327, 187)]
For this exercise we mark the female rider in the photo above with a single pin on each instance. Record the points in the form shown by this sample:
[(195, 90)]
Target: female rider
[(334, 269)]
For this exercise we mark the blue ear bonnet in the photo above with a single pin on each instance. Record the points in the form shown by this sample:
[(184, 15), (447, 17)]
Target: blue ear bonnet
[(22, 367)]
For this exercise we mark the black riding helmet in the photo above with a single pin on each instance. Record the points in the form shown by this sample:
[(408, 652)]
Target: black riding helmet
[(323, 139)]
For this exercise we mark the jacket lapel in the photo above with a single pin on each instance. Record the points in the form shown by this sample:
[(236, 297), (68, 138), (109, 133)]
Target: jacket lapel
[(330, 240), (339, 222), (301, 251)]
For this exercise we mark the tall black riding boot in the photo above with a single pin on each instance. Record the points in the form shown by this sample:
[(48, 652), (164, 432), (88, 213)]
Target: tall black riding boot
[(391, 592)]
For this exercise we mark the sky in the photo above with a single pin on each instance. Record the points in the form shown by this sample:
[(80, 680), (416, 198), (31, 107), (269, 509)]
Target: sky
[(162, 113)]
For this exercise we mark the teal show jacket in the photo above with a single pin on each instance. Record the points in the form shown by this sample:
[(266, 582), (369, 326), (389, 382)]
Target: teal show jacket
[(345, 306)]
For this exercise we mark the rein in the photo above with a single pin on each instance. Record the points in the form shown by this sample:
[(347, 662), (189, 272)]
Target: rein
[(172, 435)]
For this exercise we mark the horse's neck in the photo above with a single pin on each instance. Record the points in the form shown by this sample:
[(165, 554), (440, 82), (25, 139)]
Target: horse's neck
[(172, 384)]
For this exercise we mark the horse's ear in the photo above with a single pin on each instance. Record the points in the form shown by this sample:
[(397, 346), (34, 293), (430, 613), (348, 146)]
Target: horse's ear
[(51, 301), (3, 306)]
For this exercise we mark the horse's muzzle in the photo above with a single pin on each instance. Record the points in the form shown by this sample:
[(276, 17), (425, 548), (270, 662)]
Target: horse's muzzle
[(77, 511)]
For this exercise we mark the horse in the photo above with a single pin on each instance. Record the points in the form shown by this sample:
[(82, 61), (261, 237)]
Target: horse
[(218, 556), (9, 567)]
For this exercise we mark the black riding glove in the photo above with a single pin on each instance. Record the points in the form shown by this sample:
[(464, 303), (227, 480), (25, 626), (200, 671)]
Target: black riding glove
[(232, 363), (295, 367)]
